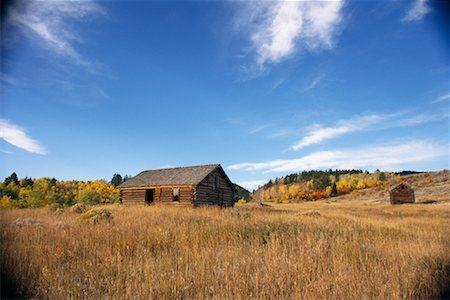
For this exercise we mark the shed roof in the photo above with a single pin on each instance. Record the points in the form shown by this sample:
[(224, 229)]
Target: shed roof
[(172, 176), (400, 186)]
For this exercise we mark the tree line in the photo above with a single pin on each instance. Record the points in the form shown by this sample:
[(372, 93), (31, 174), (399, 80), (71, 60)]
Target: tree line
[(317, 184), (50, 192)]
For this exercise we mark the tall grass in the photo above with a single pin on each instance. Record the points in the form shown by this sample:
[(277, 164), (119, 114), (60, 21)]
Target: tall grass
[(341, 251)]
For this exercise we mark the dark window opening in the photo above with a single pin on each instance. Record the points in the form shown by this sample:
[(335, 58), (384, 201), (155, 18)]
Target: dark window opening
[(149, 196), (176, 194)]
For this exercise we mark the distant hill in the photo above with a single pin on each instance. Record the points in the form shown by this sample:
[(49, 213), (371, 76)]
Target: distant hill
[(315, 185), (241, 193)]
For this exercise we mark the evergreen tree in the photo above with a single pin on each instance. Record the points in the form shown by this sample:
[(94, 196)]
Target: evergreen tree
[(334, 191), (12, 178), (116, 180), (27, 181)]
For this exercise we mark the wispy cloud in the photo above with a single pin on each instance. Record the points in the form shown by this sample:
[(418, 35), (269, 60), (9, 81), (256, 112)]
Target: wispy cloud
[(279, 28), (251, 184), (370, 157), (317, 134), (7, 79), (417, 10), (315, 82), (442, 98), (17, 136), (258, 129), (5, 151), (51, 24), (284, 132), (420, 119)]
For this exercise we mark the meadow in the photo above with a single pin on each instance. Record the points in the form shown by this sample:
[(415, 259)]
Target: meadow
[(341, 249)]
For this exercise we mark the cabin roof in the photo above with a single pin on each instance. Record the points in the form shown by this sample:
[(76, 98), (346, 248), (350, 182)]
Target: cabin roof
[(400, 186), (171, 176)]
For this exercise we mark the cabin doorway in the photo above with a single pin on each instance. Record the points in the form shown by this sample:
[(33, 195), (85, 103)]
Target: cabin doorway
[(149, 194)]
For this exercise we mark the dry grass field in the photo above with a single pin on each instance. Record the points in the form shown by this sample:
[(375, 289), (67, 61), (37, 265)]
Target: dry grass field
[(347, 248)]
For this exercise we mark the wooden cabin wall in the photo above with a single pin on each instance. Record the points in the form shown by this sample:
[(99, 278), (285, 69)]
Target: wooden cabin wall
[(402, 194), (165, 195), (160, 196), (133, 197), (205, 194)]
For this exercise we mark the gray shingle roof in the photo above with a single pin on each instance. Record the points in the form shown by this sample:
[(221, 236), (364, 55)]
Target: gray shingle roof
[(172, 176)]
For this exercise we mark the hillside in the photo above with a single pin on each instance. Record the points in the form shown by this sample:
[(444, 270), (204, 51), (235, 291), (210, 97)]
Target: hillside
[(241, 193), (428, 186)]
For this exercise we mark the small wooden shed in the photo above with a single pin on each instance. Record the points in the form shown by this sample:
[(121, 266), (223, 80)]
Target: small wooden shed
[(402, 193), (196, 185)]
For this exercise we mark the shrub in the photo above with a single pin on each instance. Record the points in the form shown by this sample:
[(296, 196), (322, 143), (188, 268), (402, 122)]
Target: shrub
[(78, 208), (241, 201), (88, 196), (96, 215), (54, 207), (5, 202)]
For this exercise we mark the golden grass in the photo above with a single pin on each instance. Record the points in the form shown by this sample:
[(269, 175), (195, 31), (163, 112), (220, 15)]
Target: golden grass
[(319, 250)]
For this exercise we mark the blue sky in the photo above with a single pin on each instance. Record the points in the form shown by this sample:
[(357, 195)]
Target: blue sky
[(268, 88)]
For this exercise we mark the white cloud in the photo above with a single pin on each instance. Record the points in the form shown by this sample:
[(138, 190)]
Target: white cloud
[(251, 184), (442, 98), (370, 157), (417, 11), (421, 119), (279, 28), (318, 134), (17, 136), (50, 22)]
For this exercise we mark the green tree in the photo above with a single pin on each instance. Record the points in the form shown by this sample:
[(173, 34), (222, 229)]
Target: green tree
[(27, 181), (11, 190), (116, 180), (88, 196), (334, 191), (321, 182), (12, 178)]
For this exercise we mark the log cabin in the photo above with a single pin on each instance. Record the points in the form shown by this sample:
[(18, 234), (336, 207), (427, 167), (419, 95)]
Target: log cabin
[(401, 193), (195, 185)]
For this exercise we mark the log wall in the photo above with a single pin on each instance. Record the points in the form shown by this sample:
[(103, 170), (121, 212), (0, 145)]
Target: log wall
[(402, 194), (222, 194), (160, 196), (165, 195), (132, 197)]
